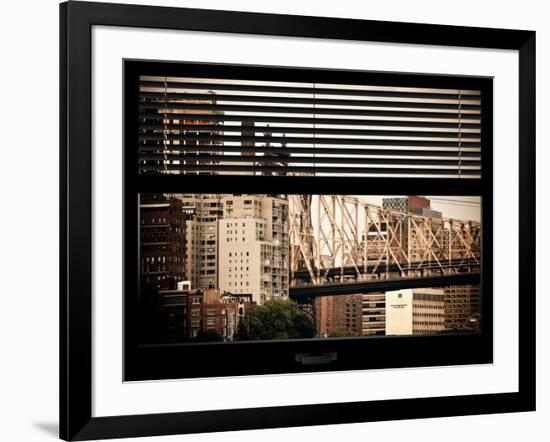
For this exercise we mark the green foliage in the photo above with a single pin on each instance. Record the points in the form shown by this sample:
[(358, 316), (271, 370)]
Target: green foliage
[(276, 319), (342, 333)]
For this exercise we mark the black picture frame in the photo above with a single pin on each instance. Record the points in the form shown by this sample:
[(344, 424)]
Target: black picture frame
[(76, 21)]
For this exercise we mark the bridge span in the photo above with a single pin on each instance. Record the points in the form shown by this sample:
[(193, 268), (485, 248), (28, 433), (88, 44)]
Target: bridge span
[(306, 293)]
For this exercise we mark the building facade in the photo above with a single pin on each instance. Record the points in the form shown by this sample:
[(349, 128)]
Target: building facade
[(415, 311), (351, 315), (339, 315), (186, 137), (201, 253), (462, 307), (254, 246), (374, 314), (180, 314), (162, 239), (191, 314), (406, 204)]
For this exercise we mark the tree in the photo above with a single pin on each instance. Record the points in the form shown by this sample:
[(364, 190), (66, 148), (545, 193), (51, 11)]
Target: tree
[(276, 319)]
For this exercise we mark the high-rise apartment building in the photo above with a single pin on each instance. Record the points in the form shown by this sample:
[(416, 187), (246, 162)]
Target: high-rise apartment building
[(185, 137), (415, 311), (253, 249), (162, 239), (201, 253)]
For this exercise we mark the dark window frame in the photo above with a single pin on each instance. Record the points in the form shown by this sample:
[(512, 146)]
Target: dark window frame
[(262, 357)]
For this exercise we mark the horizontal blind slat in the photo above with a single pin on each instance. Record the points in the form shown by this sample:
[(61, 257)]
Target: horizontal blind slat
[(310, 150), (310, 120), (333, 141), (171, 99), (304, 110), (318, 160), (308, 170), (397, 131), (322, 90)]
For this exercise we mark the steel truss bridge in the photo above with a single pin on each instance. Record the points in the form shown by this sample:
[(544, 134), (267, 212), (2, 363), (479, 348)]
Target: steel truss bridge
[(342, 245)]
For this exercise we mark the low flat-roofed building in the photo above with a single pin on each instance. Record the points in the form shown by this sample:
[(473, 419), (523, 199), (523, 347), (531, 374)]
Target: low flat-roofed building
[(415, 311)]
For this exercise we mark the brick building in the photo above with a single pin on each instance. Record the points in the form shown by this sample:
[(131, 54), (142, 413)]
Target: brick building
[(339, 315), (189, 314), (406, 204), (162, 239)]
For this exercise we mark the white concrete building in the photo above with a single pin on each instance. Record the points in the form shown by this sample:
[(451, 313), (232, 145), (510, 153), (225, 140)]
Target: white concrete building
[(415, 311), (254, 246)]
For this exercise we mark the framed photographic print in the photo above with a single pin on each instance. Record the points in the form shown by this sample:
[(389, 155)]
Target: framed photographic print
[(349, 203)]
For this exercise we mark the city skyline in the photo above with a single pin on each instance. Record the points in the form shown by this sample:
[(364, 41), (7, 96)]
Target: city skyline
[(223, 263)]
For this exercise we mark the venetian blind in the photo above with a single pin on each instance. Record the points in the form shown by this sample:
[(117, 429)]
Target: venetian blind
[(244, 127)]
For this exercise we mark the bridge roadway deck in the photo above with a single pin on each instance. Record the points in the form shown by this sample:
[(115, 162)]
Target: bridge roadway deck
[(306, 292), (418, 266)]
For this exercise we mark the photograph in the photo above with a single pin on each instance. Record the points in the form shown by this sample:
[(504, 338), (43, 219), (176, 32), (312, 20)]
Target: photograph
[(238, 267), (231, 267)]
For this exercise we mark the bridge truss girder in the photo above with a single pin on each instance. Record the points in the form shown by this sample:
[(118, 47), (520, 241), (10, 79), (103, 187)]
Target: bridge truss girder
[(331, 232)]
